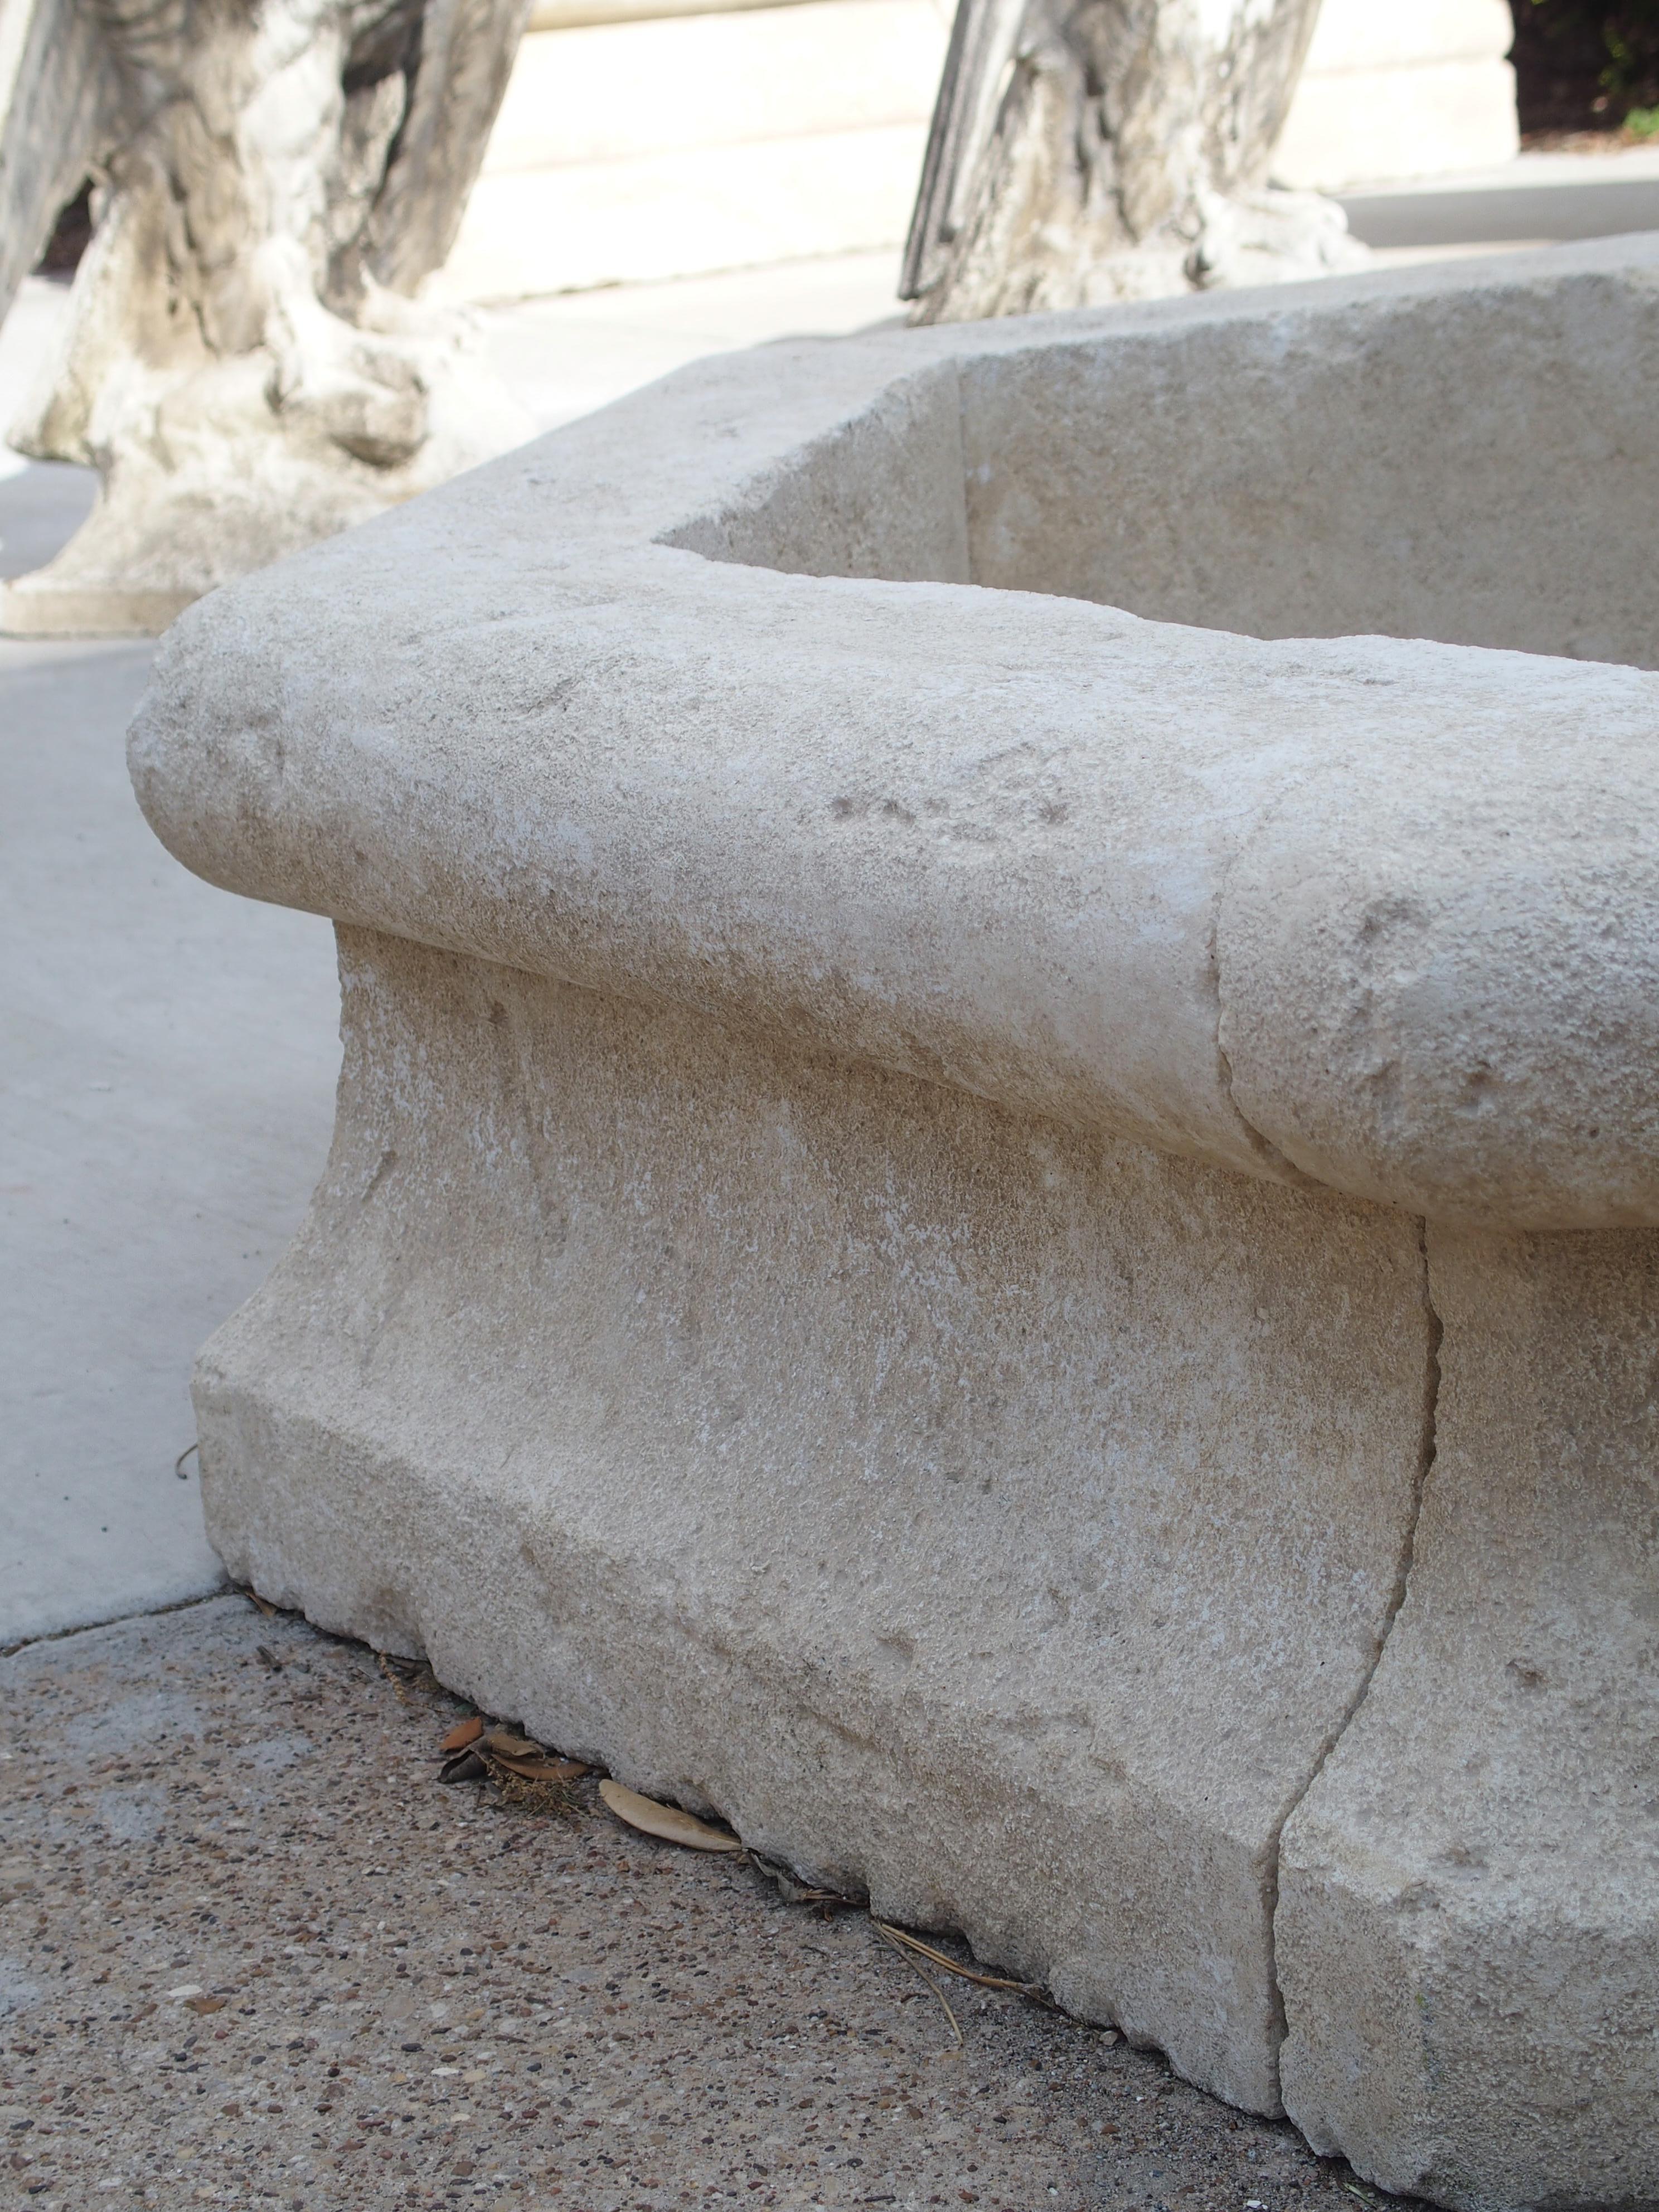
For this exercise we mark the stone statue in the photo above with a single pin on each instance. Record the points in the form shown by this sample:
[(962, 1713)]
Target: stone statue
[(1090, 150), (245, 362)]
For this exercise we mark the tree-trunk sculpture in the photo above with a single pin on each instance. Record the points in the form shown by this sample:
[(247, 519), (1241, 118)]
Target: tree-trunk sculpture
[(245, 362), (1089, 150)]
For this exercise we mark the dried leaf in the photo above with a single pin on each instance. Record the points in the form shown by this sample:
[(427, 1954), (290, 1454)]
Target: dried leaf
[(464, 1733), (508, 1743), (667, 1821), (465, 1767), (205, 2004)]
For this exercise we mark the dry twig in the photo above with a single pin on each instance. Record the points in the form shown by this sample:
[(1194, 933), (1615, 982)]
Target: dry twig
[(1032, 1990), (889, 1935)]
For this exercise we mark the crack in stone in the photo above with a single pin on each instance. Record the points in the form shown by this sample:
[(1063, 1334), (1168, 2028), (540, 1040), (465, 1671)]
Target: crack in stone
[(1281, 1167), (1426, 1458)]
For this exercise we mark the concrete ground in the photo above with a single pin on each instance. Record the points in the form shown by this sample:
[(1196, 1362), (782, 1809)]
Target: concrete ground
[(253, 1954), (168, 1061), (1541, 199)]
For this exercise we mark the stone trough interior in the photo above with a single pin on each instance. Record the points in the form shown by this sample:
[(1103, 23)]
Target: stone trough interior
[(1478, 472)]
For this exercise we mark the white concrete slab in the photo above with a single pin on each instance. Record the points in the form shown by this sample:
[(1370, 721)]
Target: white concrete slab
[(27, 336), (1537, 199), (167, 1056), (567, 354)]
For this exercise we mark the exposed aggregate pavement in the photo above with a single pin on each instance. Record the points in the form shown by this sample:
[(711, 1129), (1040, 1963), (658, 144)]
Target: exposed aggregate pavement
[(253, 1955)]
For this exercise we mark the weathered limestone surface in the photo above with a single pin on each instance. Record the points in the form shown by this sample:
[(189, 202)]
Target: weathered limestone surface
[(914, 1151), (1468, 1894), (969, 1509)]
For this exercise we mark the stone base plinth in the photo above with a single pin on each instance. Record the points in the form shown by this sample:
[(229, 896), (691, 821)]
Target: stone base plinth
[(1007, 1523), (1000, 1521), (1468, 1917)]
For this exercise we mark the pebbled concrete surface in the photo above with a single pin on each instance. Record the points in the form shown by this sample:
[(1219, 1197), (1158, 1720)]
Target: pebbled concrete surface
[(252, 1954)]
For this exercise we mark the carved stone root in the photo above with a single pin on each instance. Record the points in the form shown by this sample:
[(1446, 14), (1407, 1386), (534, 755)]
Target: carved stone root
[(243, 364), (1090, 150)]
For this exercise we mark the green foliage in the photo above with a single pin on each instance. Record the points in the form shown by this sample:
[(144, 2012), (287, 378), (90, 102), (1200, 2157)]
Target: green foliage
[(1586, 64)]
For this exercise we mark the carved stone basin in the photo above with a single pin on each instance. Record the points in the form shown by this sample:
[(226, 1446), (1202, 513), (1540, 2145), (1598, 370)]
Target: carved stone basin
[(1024, 1234)]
